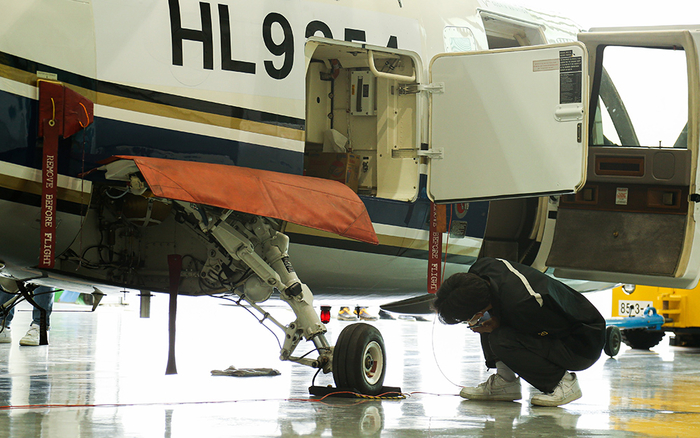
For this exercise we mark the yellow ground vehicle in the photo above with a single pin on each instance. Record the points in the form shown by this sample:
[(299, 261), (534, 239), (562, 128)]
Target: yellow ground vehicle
[(680, 308)]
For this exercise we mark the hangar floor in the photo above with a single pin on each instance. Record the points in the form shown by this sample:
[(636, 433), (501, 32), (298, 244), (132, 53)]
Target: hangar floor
[(103, 376)]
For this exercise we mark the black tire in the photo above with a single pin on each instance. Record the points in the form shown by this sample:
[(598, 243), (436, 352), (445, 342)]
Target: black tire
[(359, 359), (642, 339), (613, 339)]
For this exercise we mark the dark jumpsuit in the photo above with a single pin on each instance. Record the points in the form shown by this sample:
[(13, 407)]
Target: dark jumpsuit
[(546, 328)]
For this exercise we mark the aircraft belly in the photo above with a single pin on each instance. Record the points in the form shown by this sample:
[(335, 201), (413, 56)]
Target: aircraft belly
[(19, 234), (328, 270), (399, 263)]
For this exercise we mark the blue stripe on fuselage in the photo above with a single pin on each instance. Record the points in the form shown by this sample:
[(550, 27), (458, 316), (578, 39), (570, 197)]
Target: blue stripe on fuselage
[(107, 137), (122, 138), (415, 214)]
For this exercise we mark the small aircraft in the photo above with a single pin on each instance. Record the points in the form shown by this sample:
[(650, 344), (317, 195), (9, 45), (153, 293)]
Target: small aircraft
[(176, 146)]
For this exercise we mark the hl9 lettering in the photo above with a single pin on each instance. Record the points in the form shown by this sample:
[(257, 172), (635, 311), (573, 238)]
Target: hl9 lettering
[(206, 37), (282, 49)]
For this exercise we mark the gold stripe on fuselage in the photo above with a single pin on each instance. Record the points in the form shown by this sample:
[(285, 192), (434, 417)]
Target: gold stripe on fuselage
[(18, 75), (189, 115), (34, 187), (164, 110)]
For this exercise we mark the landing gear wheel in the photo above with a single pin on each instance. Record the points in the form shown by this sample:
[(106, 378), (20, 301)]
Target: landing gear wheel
[(359, 359), (642, 339), (613, 339)]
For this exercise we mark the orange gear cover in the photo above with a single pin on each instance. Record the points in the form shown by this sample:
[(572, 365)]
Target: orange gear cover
[(311, 202)]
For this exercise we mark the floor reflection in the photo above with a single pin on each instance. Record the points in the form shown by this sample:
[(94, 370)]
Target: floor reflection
[(342, 418), (668, 407), (103, 375)]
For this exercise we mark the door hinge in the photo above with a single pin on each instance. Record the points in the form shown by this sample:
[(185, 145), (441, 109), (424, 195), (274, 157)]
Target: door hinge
[(437, 88), (433, 154)]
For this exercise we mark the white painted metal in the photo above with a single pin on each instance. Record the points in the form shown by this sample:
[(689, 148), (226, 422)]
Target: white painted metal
[(505, 124)]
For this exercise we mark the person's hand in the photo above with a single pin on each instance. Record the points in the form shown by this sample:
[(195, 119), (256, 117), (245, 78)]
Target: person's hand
[(487, 327)]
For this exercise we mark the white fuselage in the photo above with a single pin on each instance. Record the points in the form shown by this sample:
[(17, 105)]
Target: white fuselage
[(226, 82)]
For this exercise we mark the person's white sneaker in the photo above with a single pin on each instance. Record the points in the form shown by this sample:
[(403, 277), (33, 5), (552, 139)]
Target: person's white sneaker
[(32, 336), (565, 392), (5, 336), (494, 388)]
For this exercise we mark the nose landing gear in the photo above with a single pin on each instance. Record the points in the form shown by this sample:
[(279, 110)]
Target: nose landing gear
[(358, 361)]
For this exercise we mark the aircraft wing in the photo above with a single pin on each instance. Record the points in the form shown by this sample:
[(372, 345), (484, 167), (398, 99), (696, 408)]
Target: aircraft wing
[(311, 202)]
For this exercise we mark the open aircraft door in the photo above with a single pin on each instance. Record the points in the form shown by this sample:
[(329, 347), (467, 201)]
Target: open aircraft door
[(636, 219), (517, 127), (507, 123)]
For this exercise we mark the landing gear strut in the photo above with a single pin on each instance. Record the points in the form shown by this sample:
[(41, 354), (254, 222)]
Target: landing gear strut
[(359, 360)]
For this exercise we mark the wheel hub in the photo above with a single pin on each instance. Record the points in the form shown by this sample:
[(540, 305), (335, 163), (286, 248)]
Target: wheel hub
[(373, 362)]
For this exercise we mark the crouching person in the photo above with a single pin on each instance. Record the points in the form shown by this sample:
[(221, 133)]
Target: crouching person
[(531, 326)]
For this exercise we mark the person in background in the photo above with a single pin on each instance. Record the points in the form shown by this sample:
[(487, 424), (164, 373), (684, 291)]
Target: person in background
[(43, 296)]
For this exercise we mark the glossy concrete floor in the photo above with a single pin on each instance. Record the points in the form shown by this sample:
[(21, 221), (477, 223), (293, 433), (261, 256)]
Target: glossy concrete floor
[(103, 376)]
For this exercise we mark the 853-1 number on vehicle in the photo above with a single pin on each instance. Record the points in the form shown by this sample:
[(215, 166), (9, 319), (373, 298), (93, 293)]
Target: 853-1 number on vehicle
[(632, 308)]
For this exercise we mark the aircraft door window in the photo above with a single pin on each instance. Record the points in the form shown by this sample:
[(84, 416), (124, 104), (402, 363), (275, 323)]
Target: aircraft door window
[(642, 98), (459, 39), (503, 31)]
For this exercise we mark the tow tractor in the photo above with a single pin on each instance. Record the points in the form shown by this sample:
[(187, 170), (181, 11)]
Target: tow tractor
[(640, 332), (643, 314)]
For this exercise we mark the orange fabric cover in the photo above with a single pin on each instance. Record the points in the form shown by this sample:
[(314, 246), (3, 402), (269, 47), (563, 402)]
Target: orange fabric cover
[(311, 202)]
